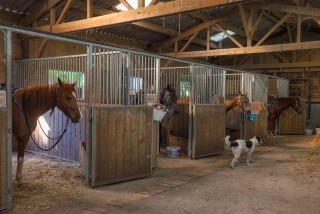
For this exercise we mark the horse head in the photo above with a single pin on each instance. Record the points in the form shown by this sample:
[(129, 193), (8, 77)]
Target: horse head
[(297, 105), (168, 96), (67, 100), (243, 101)]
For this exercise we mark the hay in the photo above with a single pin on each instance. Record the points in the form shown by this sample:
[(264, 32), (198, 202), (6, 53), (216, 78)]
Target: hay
[(313, 152), (48, 182)]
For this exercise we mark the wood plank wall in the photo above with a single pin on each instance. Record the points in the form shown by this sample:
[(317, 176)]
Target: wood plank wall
[(122, 137), (258, 127), (3, 158), (292, 123), (208, 130)]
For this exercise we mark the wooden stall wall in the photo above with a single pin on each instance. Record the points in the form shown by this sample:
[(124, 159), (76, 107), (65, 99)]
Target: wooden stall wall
[(3, 158), (53, 126), (208, 130), (178, 135), (292, 123), (121, 147), (155, 144), (233, 123), (256, 128)]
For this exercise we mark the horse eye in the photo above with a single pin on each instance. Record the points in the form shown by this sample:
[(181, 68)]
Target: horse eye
[(68, 98)]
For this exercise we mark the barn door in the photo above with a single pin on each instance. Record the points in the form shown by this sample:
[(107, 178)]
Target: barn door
[(208, 130), (121, 143)]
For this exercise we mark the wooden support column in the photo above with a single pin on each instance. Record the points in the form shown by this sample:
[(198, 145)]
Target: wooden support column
[(298, 28), (89, 8), (53, 22)]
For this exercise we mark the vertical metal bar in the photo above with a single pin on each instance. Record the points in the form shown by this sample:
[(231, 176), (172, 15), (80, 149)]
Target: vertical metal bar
[(9, 115), (89, 116), (190, 127)]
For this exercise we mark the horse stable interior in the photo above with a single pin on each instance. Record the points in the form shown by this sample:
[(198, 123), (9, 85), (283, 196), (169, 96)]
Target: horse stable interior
[(122, 55)]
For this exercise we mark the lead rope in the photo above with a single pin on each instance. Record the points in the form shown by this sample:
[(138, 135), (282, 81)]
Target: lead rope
[(28, 125)]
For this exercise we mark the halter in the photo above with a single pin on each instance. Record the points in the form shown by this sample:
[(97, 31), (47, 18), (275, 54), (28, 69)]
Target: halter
[(242, 99), (29, 128)]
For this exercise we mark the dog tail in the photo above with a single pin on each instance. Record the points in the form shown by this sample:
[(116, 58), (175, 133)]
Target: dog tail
[(234, 144)]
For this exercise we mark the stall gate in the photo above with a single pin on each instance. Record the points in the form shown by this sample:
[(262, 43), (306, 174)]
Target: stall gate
[(117, 78), (198, 120), (240, 124)]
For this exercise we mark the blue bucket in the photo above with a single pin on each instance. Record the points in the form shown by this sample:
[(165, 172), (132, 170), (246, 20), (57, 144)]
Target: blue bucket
[(173, 151)]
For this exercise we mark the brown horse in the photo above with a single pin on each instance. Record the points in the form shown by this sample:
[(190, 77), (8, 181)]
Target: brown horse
[(277, 105), (233, 100), (32, 102)]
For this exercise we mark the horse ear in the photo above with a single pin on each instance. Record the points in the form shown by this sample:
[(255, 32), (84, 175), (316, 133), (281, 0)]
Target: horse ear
[(74, 84), (60, 82)]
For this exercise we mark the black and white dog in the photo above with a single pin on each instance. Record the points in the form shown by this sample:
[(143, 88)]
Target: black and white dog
[(238, 146)]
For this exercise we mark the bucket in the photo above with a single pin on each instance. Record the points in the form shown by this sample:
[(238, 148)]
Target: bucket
[(158, 114), (317, 131), (173, 151), (308, 131)]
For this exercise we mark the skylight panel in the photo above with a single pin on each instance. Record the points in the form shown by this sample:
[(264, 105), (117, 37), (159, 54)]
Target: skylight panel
[(221, 36)]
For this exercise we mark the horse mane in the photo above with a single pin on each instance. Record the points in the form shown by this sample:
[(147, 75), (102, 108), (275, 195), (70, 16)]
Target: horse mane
[(231, 96), (37, 95)]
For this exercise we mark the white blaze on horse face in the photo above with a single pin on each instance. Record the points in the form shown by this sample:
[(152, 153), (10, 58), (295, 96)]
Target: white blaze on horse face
[(74, 94)]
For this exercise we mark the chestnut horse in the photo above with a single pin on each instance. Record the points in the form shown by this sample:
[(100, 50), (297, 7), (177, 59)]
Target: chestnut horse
[(32, 102), (277, 105), (233, 100)]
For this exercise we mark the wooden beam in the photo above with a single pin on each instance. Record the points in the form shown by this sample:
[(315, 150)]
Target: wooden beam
[(37, 12), (62, 16), (257, 22), (282, 20), (243, 18), (298, 28), (98, 11), (187, 33), (89, 8), (249, 50), (229, 36), (153, 11), (189, 42), (208, 38), (126, 4), (153, 2), (141, 3), (278, 65), (65, 11), (309, 11)]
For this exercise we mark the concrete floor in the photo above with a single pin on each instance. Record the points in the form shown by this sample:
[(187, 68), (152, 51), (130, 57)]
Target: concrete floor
[(283, 179)]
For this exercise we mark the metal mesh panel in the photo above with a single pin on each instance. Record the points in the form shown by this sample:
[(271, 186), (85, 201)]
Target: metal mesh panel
[(283, 87)]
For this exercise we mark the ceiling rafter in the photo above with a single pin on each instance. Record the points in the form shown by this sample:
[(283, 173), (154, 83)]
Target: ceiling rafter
[(98, 11), (280, 22), (187, 33), (249, 50), (62, 16), (38, 12), (229, 36), (293, 9), (153, 11)]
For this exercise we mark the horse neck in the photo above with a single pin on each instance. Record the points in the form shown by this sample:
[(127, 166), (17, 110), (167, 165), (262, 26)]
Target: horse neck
[(37, 100), (229, 104), (285, 106)]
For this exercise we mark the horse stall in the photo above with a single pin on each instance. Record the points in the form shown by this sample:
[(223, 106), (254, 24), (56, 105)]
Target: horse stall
[(197, 125), (290, 122), (247, 123), (115, 137)]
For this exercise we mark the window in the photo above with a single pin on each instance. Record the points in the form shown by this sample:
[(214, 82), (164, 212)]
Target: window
[(221, 36), (70, 77), (185, 88), (132, 3), (135, 85)]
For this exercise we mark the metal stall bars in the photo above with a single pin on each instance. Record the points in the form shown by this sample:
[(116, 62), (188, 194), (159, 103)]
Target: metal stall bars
[(195, 85), (47, 71)]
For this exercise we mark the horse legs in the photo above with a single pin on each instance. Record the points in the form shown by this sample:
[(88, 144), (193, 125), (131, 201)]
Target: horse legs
[(22, 143)]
